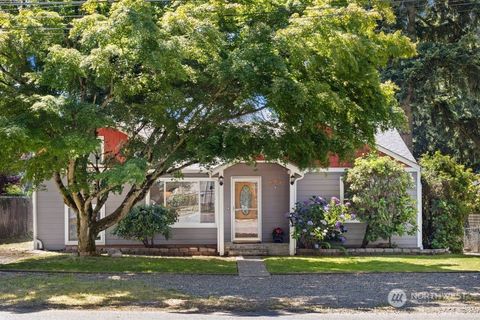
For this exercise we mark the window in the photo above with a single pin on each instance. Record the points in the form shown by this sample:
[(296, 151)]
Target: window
[(96, 158), (71, 227), (345, 196), (193, 199)]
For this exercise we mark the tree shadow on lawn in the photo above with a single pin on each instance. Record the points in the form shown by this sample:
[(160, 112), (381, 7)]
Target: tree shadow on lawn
[(457, 263)]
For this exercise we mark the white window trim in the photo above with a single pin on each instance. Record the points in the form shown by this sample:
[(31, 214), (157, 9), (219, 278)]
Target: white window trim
[(196, 225), (342, 199), (72, 242), (102, 148)]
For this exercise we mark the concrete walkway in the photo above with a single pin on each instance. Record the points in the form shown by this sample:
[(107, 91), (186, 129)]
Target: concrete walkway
[(252, 267)]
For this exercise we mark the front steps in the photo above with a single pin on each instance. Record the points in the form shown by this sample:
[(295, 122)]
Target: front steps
[(256, 249)]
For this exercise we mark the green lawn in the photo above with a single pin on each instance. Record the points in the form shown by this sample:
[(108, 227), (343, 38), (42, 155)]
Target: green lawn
[(440, 263), (67, 262)]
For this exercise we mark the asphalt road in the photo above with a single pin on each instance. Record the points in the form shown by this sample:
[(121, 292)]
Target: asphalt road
[(145, 315)]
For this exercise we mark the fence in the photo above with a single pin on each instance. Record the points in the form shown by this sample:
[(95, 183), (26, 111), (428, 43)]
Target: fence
[(15, 217), (472, 239)]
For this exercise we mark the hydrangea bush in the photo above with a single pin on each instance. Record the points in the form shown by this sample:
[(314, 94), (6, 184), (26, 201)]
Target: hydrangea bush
[(317, 221)]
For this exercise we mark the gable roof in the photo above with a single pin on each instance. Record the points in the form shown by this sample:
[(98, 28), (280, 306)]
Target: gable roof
[(393, 142)]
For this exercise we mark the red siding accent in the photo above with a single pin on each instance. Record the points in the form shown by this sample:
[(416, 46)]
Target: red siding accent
[(113, 141)]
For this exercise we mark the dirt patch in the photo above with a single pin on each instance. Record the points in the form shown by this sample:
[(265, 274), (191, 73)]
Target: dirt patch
[(14, 251)]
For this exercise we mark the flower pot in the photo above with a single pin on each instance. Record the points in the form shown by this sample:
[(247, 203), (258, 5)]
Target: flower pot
[(278, 238)]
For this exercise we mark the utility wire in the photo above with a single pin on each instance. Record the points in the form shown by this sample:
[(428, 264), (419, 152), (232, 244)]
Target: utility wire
[(254, 14)]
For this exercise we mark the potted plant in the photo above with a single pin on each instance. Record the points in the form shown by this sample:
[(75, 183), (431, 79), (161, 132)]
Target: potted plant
[(277, 235)]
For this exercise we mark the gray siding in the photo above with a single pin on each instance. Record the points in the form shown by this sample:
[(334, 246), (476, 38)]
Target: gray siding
[(275, 196), (327, 185), (50, 217), (51, 223)]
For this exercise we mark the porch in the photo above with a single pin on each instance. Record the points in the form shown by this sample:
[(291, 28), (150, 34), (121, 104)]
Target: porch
[(252, 202), (257, 249)]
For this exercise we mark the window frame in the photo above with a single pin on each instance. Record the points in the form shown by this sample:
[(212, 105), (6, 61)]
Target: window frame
[(342, 199), (67, 226), (180, 224)]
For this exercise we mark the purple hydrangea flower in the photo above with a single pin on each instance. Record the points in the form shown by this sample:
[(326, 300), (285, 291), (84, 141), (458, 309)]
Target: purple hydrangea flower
[(353, 215), (310, 223), (336, 200)]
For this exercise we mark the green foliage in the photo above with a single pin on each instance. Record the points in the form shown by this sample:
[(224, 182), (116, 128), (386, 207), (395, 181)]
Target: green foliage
[(143, 222), (379, 186), (14, 190), (188, 82), (316, 221), (449, 196), (441, 84)]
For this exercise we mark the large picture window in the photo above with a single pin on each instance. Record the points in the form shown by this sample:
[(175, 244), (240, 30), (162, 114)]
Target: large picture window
[(71, 237), (194, 200)]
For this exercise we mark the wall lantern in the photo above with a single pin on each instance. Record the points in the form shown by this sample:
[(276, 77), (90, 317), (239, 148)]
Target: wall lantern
[(292, 179), (220, 180)]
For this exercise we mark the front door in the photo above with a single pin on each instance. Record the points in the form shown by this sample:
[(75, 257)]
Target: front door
[(246, 209)]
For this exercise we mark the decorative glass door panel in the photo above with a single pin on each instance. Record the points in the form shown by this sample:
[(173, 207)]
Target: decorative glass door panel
[(246, 209)]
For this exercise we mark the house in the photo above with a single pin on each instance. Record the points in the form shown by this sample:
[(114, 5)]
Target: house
[(231, 203)]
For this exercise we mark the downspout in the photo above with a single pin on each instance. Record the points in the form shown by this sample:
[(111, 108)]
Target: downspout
[(419, 210), (34, 218)]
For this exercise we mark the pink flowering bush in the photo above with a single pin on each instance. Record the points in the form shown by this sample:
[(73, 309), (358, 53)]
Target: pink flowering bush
[(316, 221)]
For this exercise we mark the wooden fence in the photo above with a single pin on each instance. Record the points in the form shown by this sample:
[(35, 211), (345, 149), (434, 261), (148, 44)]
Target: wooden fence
[(15, 217)]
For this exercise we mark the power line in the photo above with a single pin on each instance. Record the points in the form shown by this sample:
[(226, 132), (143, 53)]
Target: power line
[(253, 14)]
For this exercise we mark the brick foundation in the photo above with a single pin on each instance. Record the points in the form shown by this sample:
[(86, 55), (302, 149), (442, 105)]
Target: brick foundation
[(370, 251), (165, 250)]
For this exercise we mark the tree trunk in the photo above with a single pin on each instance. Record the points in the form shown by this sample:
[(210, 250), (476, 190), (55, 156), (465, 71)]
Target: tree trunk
[(365, 241), (86, 238)]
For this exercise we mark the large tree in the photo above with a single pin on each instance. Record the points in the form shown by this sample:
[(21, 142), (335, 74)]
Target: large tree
[(440, 86), (188, 82)]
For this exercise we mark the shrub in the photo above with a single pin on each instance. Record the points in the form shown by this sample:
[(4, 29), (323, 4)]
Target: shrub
[(449, 196), (8, 182), (14, 190), (143, 222), (378, 186), (315, 221)]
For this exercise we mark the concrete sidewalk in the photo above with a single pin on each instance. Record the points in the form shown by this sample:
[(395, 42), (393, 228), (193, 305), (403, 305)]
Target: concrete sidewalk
[(160, 315), (252, 267)]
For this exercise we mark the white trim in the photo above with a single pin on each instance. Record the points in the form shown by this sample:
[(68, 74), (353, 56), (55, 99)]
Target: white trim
[(292, 245), (258, 180), (329, 169), (75, 242), (102, 148), (400, 158), (343, 169), (220, 192), (290, 166), (196, 225), (34, 219), (342, 199), (419, 210)]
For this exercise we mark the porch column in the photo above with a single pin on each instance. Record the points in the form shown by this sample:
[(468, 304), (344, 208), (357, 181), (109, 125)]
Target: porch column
[(220, 215), (293, 199)]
